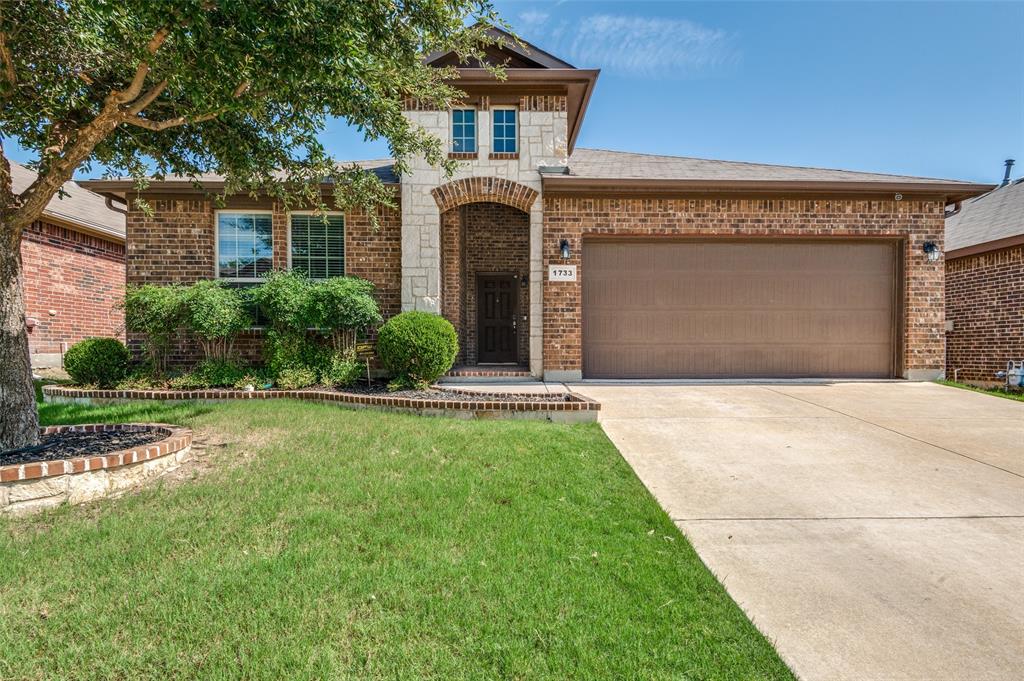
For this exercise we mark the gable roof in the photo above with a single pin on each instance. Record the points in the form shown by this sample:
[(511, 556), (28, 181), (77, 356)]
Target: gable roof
[(79, 207), (604, 169), (988, 222), (515, 52)]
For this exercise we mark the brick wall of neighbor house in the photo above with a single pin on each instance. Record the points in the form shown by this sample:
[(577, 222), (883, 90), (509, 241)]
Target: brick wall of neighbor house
[(79, 277), (985, 303), (175, 244), (913, 221), (478, 238)]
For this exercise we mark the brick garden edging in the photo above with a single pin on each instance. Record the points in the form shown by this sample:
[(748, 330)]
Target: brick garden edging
[(29, 487), (575, 409)]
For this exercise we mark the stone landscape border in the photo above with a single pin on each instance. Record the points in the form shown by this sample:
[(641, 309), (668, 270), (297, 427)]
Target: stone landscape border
[(28, 487), (563, 408)]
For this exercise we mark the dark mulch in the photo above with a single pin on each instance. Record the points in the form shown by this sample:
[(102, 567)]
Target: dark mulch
[(57, 446)]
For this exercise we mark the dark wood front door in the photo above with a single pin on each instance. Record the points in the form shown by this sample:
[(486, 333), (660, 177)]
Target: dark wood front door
[(497, 307)]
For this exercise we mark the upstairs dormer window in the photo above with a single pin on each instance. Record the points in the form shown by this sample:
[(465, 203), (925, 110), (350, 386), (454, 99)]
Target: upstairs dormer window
[(464, 131), (504, 138)]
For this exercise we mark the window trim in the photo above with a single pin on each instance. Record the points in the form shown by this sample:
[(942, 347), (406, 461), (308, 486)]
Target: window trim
[(493, 123), (476, 130), (344, 233), (216, 241)]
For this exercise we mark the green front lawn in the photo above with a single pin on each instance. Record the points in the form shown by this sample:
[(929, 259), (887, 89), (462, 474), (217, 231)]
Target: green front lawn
[(315, 542), (998, 392)]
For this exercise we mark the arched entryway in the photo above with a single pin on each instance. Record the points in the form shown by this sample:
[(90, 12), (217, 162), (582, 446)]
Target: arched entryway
[(485, 293), (485, 268)]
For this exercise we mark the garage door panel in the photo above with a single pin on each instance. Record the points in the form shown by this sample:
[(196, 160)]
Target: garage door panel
[(760, 309)]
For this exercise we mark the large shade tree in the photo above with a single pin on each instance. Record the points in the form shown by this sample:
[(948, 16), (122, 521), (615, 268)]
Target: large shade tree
[(236, 87)]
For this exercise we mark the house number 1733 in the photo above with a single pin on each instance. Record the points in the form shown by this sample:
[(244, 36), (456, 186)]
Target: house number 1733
[(561, 272)]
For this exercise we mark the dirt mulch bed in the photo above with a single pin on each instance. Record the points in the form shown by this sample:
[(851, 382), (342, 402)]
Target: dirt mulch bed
[(58, 446), (456, 395)]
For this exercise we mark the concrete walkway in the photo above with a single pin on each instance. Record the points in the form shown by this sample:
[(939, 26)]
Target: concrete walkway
[(870, 530)]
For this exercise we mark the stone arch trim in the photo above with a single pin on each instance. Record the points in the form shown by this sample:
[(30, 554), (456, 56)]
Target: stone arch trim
[(479, 189)]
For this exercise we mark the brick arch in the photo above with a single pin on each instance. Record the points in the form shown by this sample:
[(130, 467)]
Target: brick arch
[(484, 189)]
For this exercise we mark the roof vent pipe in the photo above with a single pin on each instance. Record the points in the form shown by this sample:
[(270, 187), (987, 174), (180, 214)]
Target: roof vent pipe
[(1006, 177)]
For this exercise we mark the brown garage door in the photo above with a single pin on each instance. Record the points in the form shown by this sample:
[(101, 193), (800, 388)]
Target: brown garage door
[(693, 309)]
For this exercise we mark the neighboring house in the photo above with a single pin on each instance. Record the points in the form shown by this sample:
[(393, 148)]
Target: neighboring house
[(73, 264), (985, 283), (570, 263)]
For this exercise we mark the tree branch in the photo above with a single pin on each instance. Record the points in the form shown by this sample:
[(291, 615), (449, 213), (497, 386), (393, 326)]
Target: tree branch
[(148, 98), (135, 87), (5, 56), (157, 126)]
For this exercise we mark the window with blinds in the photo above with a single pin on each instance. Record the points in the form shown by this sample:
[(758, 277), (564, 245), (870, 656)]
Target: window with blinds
[(245, 245), (318, 244)]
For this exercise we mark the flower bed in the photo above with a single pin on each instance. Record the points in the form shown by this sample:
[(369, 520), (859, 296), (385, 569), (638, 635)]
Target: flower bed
[(568, 407), (31, 486)]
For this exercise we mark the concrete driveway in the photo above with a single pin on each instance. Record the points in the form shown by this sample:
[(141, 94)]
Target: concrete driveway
[(870, 530)]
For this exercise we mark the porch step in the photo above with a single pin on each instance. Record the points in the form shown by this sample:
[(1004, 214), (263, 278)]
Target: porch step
[(488, 374)]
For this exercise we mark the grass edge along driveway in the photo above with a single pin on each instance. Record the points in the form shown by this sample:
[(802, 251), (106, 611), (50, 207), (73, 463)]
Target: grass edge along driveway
[(316, 542)]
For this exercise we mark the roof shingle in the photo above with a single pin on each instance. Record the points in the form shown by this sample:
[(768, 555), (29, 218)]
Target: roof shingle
[(997, 215), (78, 205)]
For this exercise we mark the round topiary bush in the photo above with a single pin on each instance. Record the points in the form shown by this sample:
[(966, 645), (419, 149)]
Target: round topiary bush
[(97, 361), (416, 348)]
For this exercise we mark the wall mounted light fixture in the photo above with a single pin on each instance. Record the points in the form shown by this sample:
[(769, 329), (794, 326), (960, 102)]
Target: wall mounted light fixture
[(564, 248), (931, 249)]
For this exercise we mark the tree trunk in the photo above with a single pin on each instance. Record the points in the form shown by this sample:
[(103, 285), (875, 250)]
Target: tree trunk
[(19, 421)]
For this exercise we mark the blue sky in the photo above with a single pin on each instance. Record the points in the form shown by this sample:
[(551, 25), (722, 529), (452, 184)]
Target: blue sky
[(920, 88)]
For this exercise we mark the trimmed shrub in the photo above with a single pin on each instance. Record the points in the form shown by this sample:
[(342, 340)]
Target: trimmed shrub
[(284, 299), (212, 373), (314, 326), (341, 307), (417, 348), (294, 379), (156, 312), (284, 351), (97, 361), (215, 315), (343, 371)]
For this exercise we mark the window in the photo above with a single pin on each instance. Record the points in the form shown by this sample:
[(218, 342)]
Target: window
[(464, 131), (318, 244), (245, 245), (504, 131)]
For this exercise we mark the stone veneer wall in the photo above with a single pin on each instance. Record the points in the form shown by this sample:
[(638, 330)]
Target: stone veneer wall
[(479, 238), (913, 221), (985, 303), (77, 276), (175, 244), (543, 141)]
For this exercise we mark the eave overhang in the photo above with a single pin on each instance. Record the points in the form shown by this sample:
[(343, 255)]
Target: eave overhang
[(577, 83), (987, 247), (569, 184)]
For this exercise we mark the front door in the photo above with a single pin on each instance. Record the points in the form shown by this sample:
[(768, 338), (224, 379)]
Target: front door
[(497, 306)]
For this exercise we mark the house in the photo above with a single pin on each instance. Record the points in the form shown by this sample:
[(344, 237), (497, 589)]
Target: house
[(73, 264), (567, 263), (985, 283)]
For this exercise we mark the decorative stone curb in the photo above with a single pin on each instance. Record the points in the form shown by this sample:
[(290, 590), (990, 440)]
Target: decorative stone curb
[(29, 487), (572, 408)]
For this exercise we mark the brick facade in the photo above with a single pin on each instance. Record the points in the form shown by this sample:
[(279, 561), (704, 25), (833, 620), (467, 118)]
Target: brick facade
[(77, 276), (913, 222), (175, 244), (984, 303), (481, 238)]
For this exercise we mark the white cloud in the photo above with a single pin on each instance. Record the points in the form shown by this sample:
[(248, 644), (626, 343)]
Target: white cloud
[(641, 46), (532, 18)]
